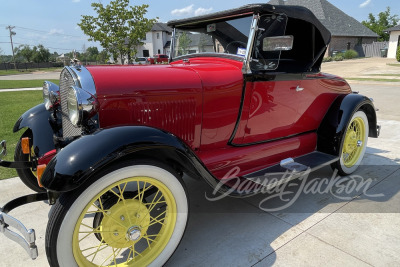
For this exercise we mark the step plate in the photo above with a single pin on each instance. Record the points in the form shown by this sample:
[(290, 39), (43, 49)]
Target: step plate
[(275, 175)]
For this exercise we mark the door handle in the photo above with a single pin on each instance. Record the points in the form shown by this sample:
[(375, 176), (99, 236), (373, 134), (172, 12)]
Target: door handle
[(299, 89)]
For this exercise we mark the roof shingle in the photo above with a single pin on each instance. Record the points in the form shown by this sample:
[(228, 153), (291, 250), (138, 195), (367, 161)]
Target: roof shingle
[(334, 19)]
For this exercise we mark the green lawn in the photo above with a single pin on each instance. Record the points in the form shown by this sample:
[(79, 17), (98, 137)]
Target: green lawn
[(12, 106), (394, 65), (6, 84), (14, 72)]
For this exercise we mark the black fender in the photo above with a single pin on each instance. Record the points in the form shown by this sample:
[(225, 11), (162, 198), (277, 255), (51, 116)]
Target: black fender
[(333, 126), (41, 123), (88, 155)]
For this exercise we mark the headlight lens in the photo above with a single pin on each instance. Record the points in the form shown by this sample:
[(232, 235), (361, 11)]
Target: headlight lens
[(73, 107), (81, 106), (51, 95)]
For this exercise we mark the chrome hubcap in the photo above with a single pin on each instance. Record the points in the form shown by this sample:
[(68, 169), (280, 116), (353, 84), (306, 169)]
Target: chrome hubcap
[(359, 143), (134, 233)]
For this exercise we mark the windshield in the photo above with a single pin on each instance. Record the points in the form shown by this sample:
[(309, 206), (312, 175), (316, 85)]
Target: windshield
[(228, 36)]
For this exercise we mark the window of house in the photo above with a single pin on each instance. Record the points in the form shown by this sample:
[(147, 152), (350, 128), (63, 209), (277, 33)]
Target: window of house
[(146, 53), (158, 35), (159, 52)]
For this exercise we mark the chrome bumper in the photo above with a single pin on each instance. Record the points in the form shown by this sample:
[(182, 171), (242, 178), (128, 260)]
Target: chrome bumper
[(24, 237)]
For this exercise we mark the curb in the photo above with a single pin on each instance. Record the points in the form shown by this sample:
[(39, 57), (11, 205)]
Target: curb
[(21, 89)]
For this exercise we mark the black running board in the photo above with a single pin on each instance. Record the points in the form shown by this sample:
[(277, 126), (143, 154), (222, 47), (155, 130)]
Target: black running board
[(290, 169)]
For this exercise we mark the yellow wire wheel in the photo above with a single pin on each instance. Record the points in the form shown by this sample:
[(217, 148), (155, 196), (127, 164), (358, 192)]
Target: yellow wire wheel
[(354, 143), (134, 220)]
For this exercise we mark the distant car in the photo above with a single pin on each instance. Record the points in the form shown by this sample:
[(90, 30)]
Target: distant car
[(158, 58), (242, 94), (140, 61)]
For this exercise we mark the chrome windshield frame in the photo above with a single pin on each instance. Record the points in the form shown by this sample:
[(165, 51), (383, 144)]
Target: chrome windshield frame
[(250, 44)]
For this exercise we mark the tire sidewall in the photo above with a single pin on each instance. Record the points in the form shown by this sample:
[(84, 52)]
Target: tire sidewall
[(65, 233), (348, 170)]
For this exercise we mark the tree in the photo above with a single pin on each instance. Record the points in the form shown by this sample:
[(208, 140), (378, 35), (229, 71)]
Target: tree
[(183, 43), (381, 23), (40, 54), (91, 53), (103, 57), (118, 27), (26, 52)]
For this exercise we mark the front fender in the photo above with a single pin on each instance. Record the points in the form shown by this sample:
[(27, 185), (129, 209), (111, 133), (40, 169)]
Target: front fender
[(333, 126), (84, 157), (40, 121)]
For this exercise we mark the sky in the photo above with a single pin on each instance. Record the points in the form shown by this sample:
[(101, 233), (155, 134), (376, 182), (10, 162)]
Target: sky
[(54, 23)]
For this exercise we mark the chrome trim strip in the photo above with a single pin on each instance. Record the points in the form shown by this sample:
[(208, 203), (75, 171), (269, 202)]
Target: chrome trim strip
[(84, 79), (3, 146), (172, 51), (27, 240), (250, 45)]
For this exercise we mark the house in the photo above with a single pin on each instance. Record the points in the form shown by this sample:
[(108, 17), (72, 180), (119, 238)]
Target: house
[(347, 32), (157, 41), (394, 40)]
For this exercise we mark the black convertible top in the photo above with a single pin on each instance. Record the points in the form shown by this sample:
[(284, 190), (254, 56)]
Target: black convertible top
[(296, 12)]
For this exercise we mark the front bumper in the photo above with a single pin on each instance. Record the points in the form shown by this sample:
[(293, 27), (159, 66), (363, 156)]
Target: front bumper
[(24, 237)]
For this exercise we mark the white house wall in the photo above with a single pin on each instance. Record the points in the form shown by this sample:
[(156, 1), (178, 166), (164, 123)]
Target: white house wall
[(393, 43)]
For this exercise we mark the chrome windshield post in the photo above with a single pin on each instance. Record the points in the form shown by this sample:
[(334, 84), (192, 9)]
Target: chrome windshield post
[(171, 52), (250, 44)]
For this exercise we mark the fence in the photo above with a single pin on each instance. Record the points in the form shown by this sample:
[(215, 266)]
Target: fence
[(31, 65), (371, 50)]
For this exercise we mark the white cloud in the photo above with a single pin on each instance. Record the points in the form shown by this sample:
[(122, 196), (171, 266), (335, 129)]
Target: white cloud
[(55, 31), (183, 11), (202, 11), (365, 4), (76, 1)]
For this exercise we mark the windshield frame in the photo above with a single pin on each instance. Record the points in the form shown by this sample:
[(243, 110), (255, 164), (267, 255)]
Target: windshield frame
[(249, 45)]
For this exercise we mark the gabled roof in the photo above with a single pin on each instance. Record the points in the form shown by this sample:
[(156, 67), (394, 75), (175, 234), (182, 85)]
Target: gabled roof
[(334, 19), (395, 28), (161, 27)]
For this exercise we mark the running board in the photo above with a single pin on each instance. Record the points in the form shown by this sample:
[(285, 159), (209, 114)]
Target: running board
[(289, 169)]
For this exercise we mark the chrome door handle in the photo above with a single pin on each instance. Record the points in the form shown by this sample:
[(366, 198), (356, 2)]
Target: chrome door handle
[(299, 89)]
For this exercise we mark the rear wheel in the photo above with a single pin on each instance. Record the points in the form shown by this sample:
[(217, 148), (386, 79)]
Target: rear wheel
[(27, 176), (354, 144), (130, 216)]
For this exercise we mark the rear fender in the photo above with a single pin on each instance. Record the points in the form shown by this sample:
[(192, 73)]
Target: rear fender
[(41, 123), (88, 155), (333, 126)]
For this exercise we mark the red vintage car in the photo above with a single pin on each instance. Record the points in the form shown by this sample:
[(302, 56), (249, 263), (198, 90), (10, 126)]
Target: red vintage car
[(110, 145)]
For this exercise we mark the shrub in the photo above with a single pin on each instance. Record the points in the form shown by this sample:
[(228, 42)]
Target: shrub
[(398, 54), (350, 54), (327, 59), (338, 58)]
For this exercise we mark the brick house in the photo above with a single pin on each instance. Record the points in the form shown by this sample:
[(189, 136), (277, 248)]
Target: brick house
[(347, 32)]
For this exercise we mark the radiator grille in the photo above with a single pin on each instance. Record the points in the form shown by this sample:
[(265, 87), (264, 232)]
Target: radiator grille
[(66, 81)]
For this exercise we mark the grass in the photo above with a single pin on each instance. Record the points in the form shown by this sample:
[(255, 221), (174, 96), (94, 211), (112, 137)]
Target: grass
[(12, 106), (14, 72), (394, 65), (373, 79), (11, 84)]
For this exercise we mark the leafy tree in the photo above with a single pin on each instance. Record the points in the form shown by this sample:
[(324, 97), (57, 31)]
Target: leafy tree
[(91, 53), (381, 23), (118, 27), (26, 52), (183, 43), (40, 54), (103, 57)]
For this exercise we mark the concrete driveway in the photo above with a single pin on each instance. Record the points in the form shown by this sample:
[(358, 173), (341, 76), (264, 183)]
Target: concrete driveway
[(332, 228)]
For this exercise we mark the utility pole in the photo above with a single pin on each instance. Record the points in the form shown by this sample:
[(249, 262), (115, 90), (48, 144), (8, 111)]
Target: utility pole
[(12, 46)]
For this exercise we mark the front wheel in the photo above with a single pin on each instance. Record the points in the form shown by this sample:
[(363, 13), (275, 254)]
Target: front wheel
[(353, 144), (130, 216)]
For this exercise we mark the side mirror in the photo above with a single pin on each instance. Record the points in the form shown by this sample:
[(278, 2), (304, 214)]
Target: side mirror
[(278, 43)]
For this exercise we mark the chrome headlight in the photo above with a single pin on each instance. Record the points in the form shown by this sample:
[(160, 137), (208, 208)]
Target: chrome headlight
[(51, 95), (81, 106)]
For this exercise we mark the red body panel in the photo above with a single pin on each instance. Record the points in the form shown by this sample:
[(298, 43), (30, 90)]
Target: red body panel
[(199, 101)]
